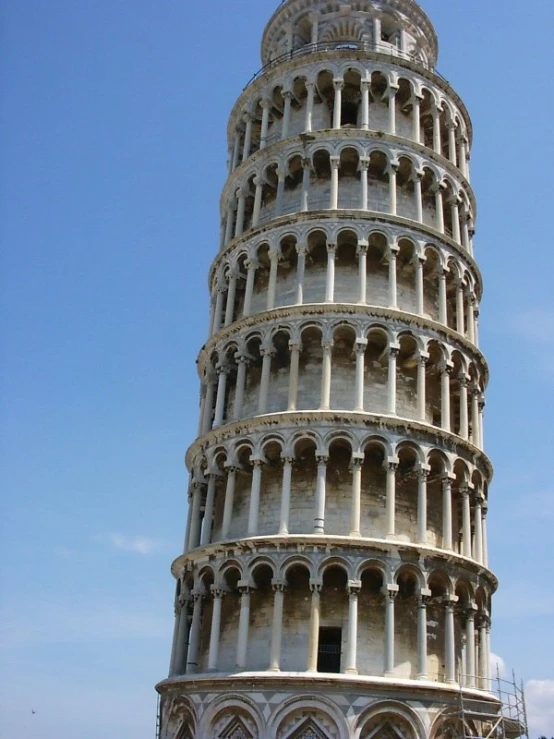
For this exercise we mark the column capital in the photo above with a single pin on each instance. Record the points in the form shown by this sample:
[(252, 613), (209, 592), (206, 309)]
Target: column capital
[(335, 162), (353, 587), (295, 345), (425, 595), (470, 611), (363, 165), (423, 357), (327, 346), (315, 585), (360, 345), (266, 103), (391, 463), (394, 350), (447, 479), (287, 459), (357, 459), (449, 600), (217, 591), (279, 586), (306, 163), (331, 247), (267, 351), (423, 470), (338, 83), (391, 591), (322, 459), (274, 253), (222, 368), (257, 461), (363, 246)]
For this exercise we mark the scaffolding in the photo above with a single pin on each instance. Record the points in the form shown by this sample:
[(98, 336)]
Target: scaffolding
[(499, 714)]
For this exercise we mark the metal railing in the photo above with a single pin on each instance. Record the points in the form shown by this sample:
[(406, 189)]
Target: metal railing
[(379, 48)]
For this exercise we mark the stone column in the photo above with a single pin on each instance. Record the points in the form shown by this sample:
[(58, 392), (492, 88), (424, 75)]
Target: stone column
[(391, 392), (471, 317), (391, 592), (443, 311), (189, 521), (241, 205), (356, 467), (242, 363), (416, 118), (466, 523), (478, 527), (338, 84), (251, 266), (266, 107), (287, 97), (416, 178), (222, 371), (259, 184), (390, 504), (320, 491), (179, 663), (194, 634), (325, 401), (439, 208), (447, 512), (451, 142), (194, 536), (310, 88), (236, 152), (213, 654), (449, 639), (392, 109), (484, 511), (445, 369), (362, 270), (471, 669), (244, 623), (424, 597), (218, 312), (294, 347), (335, 164), (277, 628), (313, 640), (359, 347), (285, 495), (392, 253), (209, 512), (208, 404), (422, 475), (363, 167), (391, 171), (229, 222), (231, 294), (281, 176), (330, 279), (481, 421), (460, 317), (267, 354), (254, 510), (365, 85), (475, 421), (229, 501), (274, 255), (305, 195), (300, 272), (455, 220), (464, 410), (437, 143), (353, 588), (422, 387), (314, 19), (247, 136), (483, 621), (418, 264)]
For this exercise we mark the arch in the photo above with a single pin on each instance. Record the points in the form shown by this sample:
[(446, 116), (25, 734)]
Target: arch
[(290, 714), (391, 720), (225, 709)]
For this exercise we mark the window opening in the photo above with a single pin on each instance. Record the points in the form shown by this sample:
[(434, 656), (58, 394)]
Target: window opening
[(329, 647)]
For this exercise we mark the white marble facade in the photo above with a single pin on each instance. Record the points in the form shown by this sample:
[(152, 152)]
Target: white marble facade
[(334, 581)]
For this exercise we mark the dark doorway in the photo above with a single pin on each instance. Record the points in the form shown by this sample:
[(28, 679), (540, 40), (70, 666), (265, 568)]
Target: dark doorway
[(328, 652)]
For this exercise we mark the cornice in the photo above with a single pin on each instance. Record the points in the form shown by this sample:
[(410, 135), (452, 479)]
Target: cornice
[(445, 440), (339, 310)]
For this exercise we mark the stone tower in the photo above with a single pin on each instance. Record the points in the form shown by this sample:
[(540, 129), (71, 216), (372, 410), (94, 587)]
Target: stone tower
[(334, 581)]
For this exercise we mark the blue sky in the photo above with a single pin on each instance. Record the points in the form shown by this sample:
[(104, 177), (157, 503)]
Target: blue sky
[(113, 155)]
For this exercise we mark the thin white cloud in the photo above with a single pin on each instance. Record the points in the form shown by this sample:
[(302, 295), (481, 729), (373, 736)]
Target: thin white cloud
[(539, 697), (136, 544)]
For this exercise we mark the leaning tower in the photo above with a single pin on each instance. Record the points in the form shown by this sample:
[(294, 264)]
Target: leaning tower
[(334, 581)]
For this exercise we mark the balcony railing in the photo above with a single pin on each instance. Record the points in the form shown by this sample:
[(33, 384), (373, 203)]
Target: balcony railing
[(379, 48)]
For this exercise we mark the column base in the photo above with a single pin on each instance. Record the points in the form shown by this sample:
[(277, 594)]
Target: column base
[(351, 671), (273, 669), (355, 535)]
